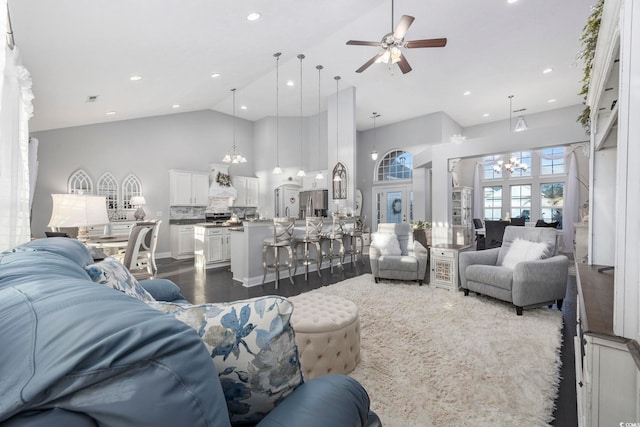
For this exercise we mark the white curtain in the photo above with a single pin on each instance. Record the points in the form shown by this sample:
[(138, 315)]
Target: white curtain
[(15, 111), (477, 192), (570, 209)]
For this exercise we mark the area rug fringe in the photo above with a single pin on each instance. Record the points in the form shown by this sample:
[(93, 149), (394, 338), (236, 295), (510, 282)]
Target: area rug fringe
[(433, 357)]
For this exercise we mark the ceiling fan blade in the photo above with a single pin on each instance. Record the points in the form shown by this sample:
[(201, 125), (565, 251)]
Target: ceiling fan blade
[(404, 65), (362, 43), (426, 43), (369, 62), (403, 26)]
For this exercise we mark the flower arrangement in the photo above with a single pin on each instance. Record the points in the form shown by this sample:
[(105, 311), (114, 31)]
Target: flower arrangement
[(224, 179), (420, 225)]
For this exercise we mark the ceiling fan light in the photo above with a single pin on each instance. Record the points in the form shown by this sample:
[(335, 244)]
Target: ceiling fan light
[(386, 56), (395, 54)]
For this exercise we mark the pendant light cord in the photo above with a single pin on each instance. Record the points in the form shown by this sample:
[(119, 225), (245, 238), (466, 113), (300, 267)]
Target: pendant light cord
[(301, 57), (337, 118), (277, 55), (319, 68), (233, 91)]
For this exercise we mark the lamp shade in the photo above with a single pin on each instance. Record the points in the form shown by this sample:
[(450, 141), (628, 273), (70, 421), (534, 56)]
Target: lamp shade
[(138, 201), (76, 210)]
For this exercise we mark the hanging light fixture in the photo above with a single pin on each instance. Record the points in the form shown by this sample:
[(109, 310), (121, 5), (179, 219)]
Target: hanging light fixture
[(520, 123), (301, 172), (336, 177), (277, 170), (319, 176), (235, 156), (374, 153)]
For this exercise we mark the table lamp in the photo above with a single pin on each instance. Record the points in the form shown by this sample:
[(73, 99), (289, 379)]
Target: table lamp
[(78, 210), (138, 201)]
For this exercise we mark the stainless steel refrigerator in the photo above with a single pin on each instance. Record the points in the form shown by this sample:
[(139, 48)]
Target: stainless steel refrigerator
[(314, 203)]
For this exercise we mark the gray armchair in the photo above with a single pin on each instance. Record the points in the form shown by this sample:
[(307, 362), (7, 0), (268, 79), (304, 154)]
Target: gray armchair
[(408, 262), (529, 283)]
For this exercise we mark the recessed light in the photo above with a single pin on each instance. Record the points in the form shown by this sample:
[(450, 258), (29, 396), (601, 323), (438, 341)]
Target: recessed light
[(111, 113), (253, 16), (486, 115), (135, 78), (547, 70), (243, 107), (215, 75), (467, 93), (511, 1), (551, 101), (290, 83), (175, 106)]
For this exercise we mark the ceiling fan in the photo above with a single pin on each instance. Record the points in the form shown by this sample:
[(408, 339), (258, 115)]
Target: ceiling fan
[(392, 42)]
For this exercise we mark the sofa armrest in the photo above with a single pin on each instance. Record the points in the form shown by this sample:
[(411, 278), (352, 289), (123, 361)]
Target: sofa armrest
[(374, 254), (467, 258), (422, 254), (540, 281), (328, 400), (163, 290)]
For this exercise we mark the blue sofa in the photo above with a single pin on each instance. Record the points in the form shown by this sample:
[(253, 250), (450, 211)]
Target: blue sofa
[(76, 353)]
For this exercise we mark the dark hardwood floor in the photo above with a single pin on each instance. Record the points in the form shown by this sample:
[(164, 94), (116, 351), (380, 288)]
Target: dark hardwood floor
[(216, 285)]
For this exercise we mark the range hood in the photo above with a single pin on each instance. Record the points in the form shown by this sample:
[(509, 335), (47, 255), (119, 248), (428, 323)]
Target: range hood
[(217, 183)]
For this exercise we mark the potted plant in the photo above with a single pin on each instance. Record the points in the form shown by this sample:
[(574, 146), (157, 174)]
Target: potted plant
[(422, 232)]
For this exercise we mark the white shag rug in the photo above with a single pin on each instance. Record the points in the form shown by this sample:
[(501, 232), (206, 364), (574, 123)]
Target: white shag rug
[(433, 357)]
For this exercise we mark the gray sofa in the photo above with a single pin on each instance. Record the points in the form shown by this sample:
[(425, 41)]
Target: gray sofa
[(77, 353), (528, 284), (407, 262)]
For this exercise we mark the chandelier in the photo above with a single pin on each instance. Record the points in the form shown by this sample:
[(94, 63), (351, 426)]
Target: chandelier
[(512, 165), (235, 156)]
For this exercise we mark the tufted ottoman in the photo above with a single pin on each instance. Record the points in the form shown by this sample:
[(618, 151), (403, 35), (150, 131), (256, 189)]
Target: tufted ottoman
[(327, 331)]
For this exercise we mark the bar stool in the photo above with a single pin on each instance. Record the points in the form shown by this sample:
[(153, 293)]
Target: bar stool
[(282, 235), (334, 236), (353, 234), (311, 237)]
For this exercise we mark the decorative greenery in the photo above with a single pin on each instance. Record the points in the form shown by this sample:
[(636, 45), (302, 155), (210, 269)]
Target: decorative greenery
[(420, 225), (223, 179), (589, 39)]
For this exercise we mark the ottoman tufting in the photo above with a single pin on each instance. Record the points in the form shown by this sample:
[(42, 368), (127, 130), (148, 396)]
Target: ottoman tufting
[(327, 330)]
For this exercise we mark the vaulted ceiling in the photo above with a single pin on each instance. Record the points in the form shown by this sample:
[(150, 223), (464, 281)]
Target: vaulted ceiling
[(76, 49)]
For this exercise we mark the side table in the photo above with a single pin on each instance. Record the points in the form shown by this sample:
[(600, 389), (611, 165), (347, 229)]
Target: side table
[(444, 265)]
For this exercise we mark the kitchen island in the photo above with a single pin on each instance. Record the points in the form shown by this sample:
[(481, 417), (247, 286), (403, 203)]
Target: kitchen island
[(212, 245), (246, 251)]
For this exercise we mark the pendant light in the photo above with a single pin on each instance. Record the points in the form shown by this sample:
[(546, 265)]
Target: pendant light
[(235, 156), (277, 170), (374, 153), (336, 177), (301, 172), (319, 176)]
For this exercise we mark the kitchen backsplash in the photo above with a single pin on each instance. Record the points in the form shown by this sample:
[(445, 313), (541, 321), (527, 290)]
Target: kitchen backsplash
[(186, 212)]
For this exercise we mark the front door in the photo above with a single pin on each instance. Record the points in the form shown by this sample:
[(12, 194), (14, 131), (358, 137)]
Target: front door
[(393, 204)]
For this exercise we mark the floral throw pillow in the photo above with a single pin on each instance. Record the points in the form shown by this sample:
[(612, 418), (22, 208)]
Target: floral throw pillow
[(113, 274), (252, 345)]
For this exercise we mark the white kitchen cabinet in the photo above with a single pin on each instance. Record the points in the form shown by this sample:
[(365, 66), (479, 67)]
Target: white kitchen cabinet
[(248, 189), (212, 247), (182, 242), (187, 188)]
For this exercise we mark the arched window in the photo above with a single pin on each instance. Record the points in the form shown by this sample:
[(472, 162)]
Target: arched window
[(339, 181), (395, 165), (131, 186), (80, 183), (107, 186)]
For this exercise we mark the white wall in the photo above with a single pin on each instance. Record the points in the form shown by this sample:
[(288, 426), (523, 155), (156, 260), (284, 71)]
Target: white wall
[(147, 147)]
